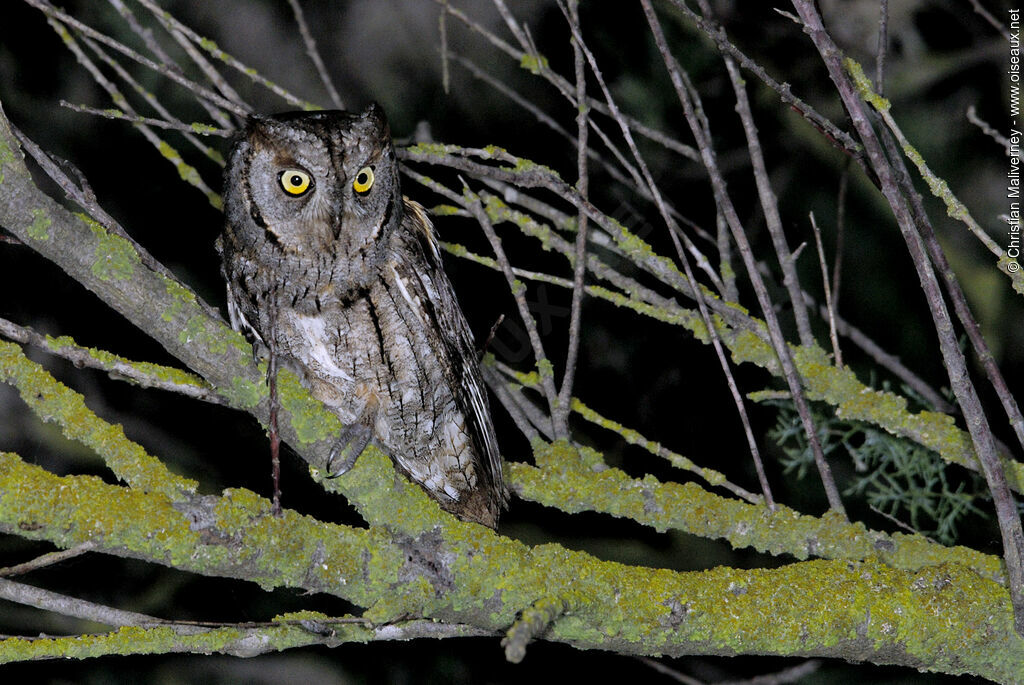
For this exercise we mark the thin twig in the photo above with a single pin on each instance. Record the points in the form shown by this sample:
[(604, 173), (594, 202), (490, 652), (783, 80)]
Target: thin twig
[(883, 45), (77, 608), (175, 27), (442, 30), (472, 202), (153, 102), (972, 116), (939, 188), (739, 236), (145, 374), (670, 672), (153, 46), (167, 151), (769, 203), (837, 266), (48, 559), (172, 74), (275, 407), (627, 177), (565, 87), (838, 355), (512, 400), (561, 413), (833, 133), (987, 16), (711, 476), (518, 402), (201, 129), (314, 54)]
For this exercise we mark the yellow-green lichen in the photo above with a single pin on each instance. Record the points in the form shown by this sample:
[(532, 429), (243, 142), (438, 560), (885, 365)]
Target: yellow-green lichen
[(189, 174), (445, 210), (310, 419), (39, 229), (533, 63), (863, 85), (199, 331), (204, 129), (115, 257), (498, 211), (428, 149), (561, 479), (8, 157), (180, 297), (244, 393)]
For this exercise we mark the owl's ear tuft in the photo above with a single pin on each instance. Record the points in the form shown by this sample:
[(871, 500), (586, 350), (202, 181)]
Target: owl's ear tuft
[(374, 113)]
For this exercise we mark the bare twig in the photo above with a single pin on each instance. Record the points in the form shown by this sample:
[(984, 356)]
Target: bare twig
[(47, 559), (564, 86), (78, 608), (217, 115), (828, 293), (314, 53), (769, 204), (883, 45), (561, 412), (184, 34), (972, 116), (473, 203), (833, 133), (837, 266), (442, 30), (166, 150), (987, 16)]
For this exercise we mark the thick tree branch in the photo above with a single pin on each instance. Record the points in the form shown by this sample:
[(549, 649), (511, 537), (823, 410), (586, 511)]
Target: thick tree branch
[(871, 611)]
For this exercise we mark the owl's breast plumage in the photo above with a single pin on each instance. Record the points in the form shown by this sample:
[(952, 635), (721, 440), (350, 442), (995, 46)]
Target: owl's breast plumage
[(369, 353)]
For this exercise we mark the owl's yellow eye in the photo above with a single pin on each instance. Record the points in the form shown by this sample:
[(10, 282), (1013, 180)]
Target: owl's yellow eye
[(363, 180), (295, 182)]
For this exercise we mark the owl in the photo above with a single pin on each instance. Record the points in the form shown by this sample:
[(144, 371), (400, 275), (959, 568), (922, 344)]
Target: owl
[(330, 266)]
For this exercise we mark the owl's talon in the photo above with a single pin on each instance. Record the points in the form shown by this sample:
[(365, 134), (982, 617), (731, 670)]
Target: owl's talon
[(351, 443)]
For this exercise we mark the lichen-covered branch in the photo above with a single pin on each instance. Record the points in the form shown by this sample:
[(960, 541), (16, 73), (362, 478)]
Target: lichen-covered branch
[(943, 617), (53, 401), (560, 482), (144, 374)]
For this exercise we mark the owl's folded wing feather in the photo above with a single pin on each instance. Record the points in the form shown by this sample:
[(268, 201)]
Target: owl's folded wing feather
[(441, 308)]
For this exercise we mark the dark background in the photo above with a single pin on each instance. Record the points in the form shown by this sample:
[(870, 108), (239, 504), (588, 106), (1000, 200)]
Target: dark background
[(648, 376)]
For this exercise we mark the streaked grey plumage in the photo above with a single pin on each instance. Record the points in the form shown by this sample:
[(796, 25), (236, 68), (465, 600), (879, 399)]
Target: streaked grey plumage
[(326, 260)]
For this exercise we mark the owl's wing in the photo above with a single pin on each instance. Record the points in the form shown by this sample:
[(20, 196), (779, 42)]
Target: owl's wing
[(441, 308)]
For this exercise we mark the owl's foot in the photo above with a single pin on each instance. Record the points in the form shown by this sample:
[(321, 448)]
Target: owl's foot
[(351, 443)]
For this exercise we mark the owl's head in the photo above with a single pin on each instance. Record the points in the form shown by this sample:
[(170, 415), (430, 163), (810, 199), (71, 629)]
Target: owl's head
[(308, 182)]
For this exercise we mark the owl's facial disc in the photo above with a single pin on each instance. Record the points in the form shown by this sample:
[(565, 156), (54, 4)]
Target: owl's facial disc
[(289, 181)]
